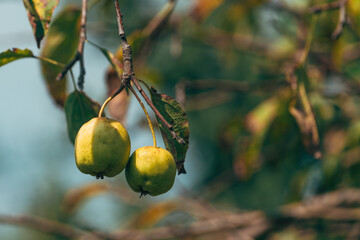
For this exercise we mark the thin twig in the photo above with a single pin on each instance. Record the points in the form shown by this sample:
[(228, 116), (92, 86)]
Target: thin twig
[(43, 225), (128, 74), (146, 113), (157, 113), (310, 35), (342, 20), (325, 7), (79, 56)]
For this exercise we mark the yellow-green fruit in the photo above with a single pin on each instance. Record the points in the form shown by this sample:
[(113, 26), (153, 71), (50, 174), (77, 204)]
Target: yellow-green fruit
[(102, 147), (151, 170)]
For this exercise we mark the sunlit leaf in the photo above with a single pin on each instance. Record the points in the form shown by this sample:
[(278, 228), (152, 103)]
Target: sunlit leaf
[(75, 197), (153, 214), (14, 54), (257, 123), (60, 45), (203, 8), (176, 116), (301, 109), (40, 14), (79, 109)]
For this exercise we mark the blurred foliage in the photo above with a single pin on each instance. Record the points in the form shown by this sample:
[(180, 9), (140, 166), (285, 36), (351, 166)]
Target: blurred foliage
[(272, 103)]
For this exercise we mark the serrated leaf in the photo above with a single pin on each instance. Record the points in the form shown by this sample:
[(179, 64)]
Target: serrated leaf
[(79, 109), (14, 54), (60, 45), (40, 14), (171, 110)]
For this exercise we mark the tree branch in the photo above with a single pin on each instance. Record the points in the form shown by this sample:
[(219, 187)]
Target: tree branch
[(128, 74), (342, 20), (325, 7), (334, 206), (43, 225), (126, 48)]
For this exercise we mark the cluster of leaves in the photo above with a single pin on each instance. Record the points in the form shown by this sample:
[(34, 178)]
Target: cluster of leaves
[(59, 50)]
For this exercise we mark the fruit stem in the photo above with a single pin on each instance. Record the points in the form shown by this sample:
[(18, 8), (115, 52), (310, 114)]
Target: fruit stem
[(104, 105), (73, 79), (146, 113)]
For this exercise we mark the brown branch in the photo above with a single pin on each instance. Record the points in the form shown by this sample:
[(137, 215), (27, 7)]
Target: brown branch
[(157, 113), (335, 206), (256, 223), (79, 56), (128, 74), (204, 227), (325, 7), (122, 86), (43, 225), (126, 48), (342, 20)]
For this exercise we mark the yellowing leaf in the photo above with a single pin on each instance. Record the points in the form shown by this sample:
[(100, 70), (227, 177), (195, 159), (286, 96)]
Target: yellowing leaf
[(60, 45), (40, 14), (14, 54), (75, 197), (259, 119), (203, 8), (154, 214), (257, 122)]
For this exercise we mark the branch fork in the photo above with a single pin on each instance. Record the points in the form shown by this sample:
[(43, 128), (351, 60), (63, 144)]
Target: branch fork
[(128, 76)]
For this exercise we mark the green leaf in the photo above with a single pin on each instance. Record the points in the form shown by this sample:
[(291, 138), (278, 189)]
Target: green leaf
[(14, 54), (60, 45), (171, 110), (257, 122), (40, 14), (79, 109)]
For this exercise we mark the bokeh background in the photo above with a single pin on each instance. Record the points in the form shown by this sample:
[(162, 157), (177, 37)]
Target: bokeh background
[(231, 64)]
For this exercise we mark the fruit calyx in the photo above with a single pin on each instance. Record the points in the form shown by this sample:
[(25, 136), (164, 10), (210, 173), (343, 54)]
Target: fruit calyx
[(143, 193), (100, 175)]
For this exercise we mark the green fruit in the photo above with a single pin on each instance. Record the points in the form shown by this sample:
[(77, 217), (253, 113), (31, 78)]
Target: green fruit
[(102, 147), (151, 170)]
